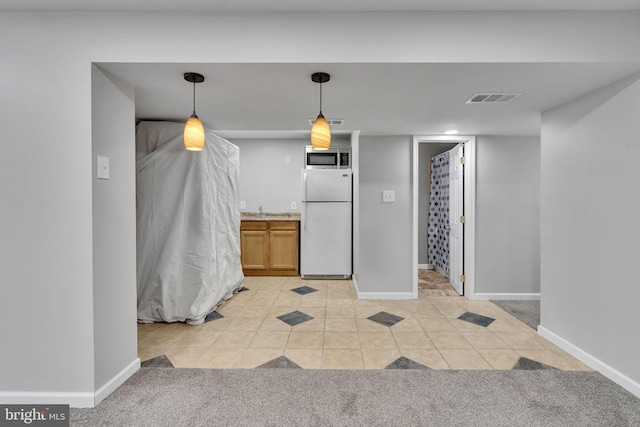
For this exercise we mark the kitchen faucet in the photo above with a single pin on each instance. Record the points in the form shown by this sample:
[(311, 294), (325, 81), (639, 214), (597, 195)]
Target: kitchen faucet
[(260, 213)]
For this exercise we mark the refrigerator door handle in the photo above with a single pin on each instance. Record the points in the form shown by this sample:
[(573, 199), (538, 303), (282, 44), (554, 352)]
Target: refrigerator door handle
[(304, 200), (304, 180)]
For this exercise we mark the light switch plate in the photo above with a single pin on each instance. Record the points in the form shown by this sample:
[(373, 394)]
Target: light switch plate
[(243, 205), (103, 167), (388, 196), (294, 206)]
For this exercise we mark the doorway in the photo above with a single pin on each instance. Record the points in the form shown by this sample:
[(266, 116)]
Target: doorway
[(441, 222), (468, 201)]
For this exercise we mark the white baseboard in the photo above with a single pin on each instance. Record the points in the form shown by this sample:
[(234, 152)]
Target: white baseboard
[(355, 282), (614, 375), (386, 295), (116, 381), (425, 266), (505, 296), (73, 399)]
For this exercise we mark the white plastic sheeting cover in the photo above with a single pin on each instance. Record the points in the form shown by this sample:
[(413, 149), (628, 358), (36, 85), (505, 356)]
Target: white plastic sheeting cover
[(188, 224)]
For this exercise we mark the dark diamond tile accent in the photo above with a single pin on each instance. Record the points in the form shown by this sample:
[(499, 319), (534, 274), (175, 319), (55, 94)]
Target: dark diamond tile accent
[(158, 362), (476, 319), (295, 318), (214, 315), (530, 365), (405, 363), (280, 362), (386, 319), (303, 290)]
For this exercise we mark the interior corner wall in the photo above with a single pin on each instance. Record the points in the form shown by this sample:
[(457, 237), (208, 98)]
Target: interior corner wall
[(114, 229), (355, 168), (589, 231), (507, 217), (386, 259), (46, 296)]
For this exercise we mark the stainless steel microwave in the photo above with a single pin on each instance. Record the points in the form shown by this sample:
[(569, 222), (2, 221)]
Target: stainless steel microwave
[(333, 158)]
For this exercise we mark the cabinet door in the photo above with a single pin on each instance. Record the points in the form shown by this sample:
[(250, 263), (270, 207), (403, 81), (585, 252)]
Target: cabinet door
[(254, 246), (283, 249)]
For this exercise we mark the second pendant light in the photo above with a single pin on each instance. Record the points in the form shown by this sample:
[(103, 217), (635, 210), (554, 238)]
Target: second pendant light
[(194, 130), (320, 131)]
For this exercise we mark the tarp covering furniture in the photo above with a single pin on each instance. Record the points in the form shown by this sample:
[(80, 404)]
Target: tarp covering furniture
[(188, 224)]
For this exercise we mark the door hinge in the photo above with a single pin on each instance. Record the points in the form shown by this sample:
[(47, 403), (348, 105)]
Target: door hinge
[(463, 160), (463, 278), (463, 219)]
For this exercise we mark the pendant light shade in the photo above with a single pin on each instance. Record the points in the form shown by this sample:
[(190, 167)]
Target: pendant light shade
[(194, 134), (320, 131), (320, 134), (193, 129)]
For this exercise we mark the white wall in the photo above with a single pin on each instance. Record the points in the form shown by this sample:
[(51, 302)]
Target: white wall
[(507, 217), (589, 230), (114, 229), (46, 257), (386, 258), (265, 179)]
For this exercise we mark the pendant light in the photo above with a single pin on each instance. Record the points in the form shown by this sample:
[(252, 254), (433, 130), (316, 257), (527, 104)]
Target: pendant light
[(193, 130), (320, 131)]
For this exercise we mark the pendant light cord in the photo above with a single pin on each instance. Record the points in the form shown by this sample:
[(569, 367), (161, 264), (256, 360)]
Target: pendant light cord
[(321, 97), (194, 98)]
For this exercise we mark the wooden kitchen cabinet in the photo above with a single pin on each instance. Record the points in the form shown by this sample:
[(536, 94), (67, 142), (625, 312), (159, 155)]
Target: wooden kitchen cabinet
[(254, 245), (269, 248)]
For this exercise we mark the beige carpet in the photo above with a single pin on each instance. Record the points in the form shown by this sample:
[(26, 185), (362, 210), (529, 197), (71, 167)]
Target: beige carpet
[(434, 284), (400, 397)]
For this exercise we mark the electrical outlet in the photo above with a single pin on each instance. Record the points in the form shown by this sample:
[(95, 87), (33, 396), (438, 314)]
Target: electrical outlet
[(243, 205), (294, 206), (388, 196), (287, 159)]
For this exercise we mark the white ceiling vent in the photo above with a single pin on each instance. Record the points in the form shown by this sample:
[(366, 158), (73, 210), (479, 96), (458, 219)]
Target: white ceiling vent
[(492, 98), (330, 121)]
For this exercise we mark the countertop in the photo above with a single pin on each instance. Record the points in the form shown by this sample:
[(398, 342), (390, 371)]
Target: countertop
[(270, 216)]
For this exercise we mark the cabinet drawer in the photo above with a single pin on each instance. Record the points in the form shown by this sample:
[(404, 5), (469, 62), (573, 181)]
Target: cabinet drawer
[(283, 225), (254, 225)]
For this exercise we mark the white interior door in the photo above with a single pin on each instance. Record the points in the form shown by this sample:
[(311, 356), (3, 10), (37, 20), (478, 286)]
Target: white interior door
[(456, 221)]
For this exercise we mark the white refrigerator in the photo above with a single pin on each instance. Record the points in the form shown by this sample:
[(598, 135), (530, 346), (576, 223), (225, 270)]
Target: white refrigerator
[(326, 218)]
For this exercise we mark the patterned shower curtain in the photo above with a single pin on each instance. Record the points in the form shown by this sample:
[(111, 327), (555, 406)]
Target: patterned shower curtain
[(438, 236)]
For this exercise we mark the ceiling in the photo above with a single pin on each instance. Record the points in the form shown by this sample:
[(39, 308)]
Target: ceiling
[(310, 5), (378, 99)]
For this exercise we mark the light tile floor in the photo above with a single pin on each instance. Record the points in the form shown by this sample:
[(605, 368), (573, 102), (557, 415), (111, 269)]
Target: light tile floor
[(340, 335)]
